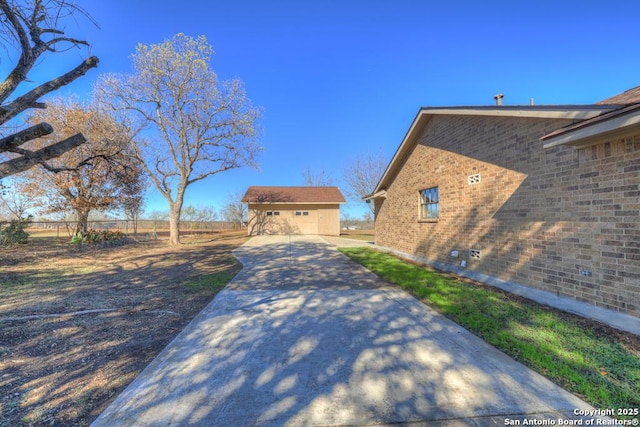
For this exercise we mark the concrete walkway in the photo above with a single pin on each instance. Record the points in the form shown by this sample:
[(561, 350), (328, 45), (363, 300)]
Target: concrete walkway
[(305, 337)]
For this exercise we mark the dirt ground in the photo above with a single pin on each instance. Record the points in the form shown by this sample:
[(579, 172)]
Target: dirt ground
[(77, 326)]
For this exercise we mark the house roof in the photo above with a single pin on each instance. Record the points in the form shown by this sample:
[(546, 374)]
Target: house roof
[(617, 123), (623, 120), (308, 195), (575, 112), (616, 116), (631, 96)]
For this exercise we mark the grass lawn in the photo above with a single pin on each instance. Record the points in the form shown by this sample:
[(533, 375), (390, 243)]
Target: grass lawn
[(602, 369)]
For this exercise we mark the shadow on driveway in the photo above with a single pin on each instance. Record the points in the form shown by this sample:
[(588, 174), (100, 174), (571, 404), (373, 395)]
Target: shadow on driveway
[(303, 336)]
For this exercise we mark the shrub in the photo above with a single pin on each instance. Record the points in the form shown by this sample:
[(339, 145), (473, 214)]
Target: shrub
[(99, 236), (14, 233)]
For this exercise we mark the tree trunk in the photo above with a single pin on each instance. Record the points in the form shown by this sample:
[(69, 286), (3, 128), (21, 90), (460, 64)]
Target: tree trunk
[(82, 220), (174, 222)]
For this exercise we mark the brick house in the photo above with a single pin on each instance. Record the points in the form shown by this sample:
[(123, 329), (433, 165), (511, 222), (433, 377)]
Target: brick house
[(294, 210), (543, 196)]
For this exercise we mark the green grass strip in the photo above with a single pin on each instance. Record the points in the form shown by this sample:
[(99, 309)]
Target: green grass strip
[(209, 284), (603, 372)]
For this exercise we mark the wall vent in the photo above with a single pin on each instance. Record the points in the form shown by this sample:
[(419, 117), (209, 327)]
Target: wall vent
[(474, 253), (473, 179)]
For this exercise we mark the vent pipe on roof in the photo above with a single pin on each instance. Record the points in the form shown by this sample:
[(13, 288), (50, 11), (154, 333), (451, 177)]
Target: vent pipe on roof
[(498, 98), (530, 101)]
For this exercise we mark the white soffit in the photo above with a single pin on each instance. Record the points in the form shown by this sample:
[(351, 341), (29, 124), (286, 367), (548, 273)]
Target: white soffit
[(543, 112), (618, 125)]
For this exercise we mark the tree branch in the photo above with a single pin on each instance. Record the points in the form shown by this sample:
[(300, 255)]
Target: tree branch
[(25, 162), (18, 74), (75, 313), (25, 101), (50, 45), (19, 138), (10, 14)]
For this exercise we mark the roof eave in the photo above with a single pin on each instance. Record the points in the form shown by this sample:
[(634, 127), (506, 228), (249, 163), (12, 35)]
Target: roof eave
[(296, 203), (377, 195), (576, 112), (617, 125)]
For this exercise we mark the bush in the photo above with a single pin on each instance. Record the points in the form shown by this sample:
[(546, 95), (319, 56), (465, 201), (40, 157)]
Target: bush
[(14, 233), (99, 236)]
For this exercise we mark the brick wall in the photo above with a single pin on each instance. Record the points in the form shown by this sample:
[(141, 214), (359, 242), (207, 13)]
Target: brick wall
[(564, 219)]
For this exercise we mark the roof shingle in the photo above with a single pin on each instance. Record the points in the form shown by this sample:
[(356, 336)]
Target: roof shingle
[(257, 194), (631, 96)]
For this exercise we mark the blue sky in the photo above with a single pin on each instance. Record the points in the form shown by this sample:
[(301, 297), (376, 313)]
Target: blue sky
[(339, 78)]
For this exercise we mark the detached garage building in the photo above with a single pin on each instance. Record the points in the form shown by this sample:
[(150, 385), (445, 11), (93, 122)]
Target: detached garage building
[(294, 210)]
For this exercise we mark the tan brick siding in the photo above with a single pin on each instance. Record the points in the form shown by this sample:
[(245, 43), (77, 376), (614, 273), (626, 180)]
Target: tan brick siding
[(320, 219), (539, 217)]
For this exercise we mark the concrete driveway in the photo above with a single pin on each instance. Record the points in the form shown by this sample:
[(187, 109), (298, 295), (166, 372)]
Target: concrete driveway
[(304, 337)]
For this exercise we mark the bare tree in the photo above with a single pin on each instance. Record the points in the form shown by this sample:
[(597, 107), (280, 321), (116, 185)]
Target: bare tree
[(14, 202), (346, 220), (33, 28), (131, 200), (198, 215), (196, 125), (368, 219), (203, 214), (362, 175), (316, 178), (234, 210), (91, 177)]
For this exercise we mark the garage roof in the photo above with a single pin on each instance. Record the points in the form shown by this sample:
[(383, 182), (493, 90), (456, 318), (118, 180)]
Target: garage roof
[(256, 194)]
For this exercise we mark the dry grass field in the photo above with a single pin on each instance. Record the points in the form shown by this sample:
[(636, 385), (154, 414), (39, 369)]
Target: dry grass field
[(365, 235), (78, 324)]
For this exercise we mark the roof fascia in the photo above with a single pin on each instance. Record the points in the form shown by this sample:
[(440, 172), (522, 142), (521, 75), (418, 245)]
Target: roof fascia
[(577, 112), (380, 194), (295, 203), (418, 124), (617, 125)]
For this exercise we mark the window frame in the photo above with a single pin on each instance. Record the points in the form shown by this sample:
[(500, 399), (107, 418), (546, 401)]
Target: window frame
[(429, 204)]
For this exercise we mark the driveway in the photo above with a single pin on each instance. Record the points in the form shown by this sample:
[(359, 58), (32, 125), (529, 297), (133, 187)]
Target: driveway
[(304, 337)]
